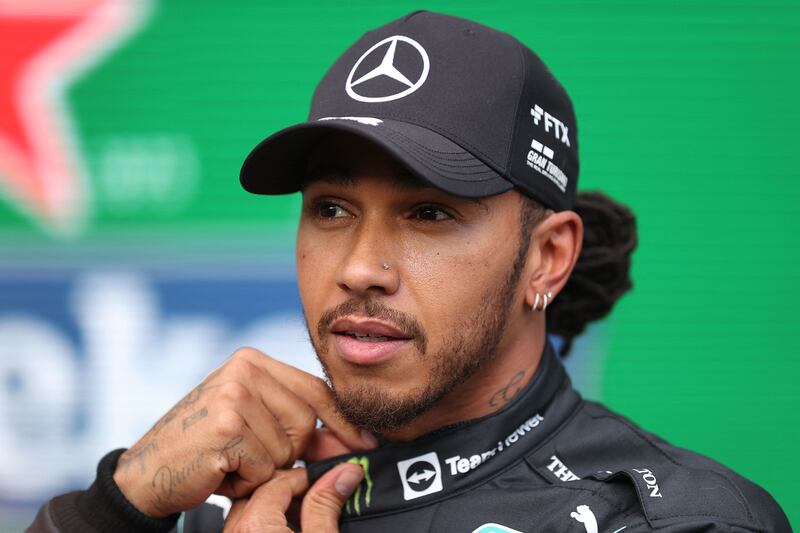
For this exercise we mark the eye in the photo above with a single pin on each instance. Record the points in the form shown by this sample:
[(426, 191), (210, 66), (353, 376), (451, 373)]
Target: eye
[(431, 213), (330, 210)]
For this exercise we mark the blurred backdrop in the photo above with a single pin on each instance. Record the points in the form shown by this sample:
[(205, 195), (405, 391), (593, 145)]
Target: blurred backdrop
[(132, 264)]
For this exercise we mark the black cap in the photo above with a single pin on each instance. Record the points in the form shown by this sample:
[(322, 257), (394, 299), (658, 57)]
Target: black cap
[(468, 109)]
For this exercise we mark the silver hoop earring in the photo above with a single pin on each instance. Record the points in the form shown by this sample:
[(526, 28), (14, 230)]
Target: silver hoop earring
[(386, 266), (547, 299)]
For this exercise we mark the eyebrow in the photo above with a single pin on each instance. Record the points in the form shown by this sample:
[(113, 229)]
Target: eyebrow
[(402, 181)]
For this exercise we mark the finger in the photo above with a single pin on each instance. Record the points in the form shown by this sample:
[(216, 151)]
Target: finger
[(324, 444), (266, 508), (293, 413), (235, 514), (316, 393), (323, 503), (269, 430), (242, 459)]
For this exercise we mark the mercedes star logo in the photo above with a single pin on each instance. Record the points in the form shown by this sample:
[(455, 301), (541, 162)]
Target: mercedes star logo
[(387, 68)]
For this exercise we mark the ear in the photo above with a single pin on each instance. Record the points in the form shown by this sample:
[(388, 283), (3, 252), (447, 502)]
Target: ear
[(555, 246)]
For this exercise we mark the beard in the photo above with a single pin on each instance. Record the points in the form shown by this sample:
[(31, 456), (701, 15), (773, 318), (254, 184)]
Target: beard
[(472, 345)]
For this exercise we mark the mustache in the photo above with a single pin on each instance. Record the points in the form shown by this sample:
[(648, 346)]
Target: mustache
[(374, 309)]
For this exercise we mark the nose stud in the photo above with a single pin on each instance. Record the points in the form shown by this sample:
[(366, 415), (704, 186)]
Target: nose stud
[(386, 266)]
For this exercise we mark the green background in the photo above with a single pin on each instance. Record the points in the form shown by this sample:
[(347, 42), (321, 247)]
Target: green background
[(688, 112)]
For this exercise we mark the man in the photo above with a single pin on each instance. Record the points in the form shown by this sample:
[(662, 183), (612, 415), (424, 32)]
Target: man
[(438, 230)]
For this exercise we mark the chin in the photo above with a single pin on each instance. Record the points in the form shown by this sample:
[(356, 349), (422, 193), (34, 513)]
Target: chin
[(376, 383), (380, 405), (377, 410)]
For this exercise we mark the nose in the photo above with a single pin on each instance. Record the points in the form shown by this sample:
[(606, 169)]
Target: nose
[(367, 267)]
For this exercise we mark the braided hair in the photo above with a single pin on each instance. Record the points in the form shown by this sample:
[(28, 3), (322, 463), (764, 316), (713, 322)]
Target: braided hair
[(602, 273)]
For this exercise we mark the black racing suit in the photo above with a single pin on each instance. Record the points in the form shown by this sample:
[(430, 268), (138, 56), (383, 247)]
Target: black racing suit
[(548, 461)]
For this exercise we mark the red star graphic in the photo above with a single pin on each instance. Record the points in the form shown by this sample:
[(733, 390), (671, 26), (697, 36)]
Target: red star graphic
[(45, 45)]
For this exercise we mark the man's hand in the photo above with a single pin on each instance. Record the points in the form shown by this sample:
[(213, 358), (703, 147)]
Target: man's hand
[(248, 418), (265, 511)]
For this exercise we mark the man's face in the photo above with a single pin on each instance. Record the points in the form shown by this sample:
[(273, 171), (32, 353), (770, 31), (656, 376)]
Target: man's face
[(393, 341)]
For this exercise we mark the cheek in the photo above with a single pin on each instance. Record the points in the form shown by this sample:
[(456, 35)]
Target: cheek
[(450, 283), (311, 275)]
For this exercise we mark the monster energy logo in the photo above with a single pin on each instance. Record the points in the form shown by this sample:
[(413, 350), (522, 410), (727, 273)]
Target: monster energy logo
[(355, 500)]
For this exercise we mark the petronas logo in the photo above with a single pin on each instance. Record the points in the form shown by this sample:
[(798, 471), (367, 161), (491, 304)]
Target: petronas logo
[(364, 488)]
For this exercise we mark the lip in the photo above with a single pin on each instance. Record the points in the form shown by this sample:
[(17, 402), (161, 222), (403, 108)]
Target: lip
[(362, 352), (368, 326)]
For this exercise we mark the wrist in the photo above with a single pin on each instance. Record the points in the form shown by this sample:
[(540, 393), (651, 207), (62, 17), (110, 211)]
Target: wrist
[(132, 488), (106, 492)]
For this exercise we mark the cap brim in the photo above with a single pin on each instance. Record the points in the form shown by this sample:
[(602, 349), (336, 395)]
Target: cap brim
[(277, 164)]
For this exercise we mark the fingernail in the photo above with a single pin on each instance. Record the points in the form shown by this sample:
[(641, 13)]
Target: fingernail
[(348, 480), (368, 439)]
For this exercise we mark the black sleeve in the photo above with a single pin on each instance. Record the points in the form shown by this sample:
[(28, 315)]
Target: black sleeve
[(100, 508)]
